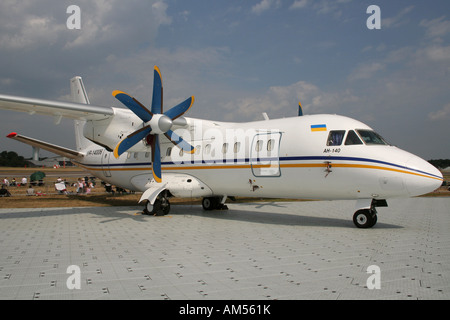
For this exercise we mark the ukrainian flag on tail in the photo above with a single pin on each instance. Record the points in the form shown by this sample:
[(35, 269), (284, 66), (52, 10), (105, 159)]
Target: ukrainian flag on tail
[(318, 127)]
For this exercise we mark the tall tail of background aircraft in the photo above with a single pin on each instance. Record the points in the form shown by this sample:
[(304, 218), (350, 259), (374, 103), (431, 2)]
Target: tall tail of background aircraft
[(79, 95)]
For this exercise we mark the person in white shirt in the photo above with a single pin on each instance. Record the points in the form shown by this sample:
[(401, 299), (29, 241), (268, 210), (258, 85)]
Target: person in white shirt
[(30, 191)]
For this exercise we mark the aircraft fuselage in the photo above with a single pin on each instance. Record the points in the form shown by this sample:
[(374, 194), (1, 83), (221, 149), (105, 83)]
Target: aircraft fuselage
[(280, 158)]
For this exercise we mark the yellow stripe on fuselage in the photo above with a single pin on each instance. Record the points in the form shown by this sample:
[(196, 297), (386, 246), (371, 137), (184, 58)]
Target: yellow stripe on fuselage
[(248, 166), (359, 166)]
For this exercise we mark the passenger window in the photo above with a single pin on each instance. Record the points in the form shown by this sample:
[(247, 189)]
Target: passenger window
[(335, 138), (224, 148), (168, 151), (237, 147), (258, 146), (207, 149), (198, 149), (270, 145), (147, 154), (352, 138)]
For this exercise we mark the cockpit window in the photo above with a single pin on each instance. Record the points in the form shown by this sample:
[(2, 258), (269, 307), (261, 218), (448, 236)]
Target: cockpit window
[(352, 138), (335, 137), (371, 137)]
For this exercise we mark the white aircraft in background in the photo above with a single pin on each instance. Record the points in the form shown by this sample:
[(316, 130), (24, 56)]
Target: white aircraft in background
[(164, 154)]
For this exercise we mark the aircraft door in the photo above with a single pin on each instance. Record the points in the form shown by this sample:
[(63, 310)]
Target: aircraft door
[(264, 154), (105, 163)]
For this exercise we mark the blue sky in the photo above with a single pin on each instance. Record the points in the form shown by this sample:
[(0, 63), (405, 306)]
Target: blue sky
[(239, 59)]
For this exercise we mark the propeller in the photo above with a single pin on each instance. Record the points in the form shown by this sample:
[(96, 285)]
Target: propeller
[(155, 123)]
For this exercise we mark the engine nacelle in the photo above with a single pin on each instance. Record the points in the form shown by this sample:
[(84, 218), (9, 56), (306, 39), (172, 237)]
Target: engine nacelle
[(109, 132), (179, 185)]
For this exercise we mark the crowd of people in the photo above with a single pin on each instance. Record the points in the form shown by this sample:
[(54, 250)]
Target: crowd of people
[(4, 192), (81, 186), (14, 182)]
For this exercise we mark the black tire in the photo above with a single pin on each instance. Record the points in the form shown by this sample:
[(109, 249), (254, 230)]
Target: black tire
[(161, 207), (210, 203), (148, 209), (166, 208), (364, 218)]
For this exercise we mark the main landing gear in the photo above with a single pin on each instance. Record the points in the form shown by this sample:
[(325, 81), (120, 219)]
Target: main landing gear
[(214, 203), (161, 207), (367, 217)]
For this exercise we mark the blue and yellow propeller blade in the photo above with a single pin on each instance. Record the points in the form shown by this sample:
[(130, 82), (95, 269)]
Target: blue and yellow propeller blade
[(180, 109), (178, 141), (131, 140), (131, 103), (156, 157), (146, 115), (157, 99)]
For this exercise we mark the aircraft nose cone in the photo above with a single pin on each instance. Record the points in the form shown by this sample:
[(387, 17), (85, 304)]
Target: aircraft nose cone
[(425, 178)]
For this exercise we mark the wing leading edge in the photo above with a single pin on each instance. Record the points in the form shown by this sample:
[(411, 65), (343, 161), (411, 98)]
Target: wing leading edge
[(55, 108)]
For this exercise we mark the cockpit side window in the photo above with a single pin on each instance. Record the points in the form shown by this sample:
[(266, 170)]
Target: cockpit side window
[(352, 138), (371, 137), (335, 137)]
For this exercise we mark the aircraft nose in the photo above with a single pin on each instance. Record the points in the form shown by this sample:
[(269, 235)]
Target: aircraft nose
[(425, 177)]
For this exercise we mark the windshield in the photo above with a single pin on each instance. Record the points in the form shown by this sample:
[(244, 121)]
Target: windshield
[(352, 138), (371, 137)]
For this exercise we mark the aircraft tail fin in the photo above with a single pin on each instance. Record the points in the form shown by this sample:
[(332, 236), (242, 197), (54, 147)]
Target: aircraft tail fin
[(79, 95), (77, 91)]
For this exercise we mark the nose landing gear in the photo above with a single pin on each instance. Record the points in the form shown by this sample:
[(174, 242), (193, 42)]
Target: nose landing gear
[(366, 216)]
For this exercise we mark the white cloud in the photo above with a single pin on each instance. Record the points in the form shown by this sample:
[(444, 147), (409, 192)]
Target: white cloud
[(299, 4), (118, 21), (397, 20), (277, 100), (32, 30), (442, 114), (366, 70), (159, 13), (265, 5), (438, 53), (436, 28), (282, 101), (31, 23)]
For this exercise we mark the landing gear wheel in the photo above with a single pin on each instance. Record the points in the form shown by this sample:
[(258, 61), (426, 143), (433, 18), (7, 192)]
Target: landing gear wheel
[(210, 203), (365, 218), (161, 207), (148, 209)]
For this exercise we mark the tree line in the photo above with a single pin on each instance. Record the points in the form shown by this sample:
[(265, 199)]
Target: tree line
[(440, 163), (12, 159)]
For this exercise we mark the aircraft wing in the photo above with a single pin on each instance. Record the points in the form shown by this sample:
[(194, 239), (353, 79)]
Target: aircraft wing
[(55, 108), (65, 152)]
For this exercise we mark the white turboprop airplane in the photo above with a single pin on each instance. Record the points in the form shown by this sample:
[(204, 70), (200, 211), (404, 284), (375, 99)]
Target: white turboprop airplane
[(310, 157)]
